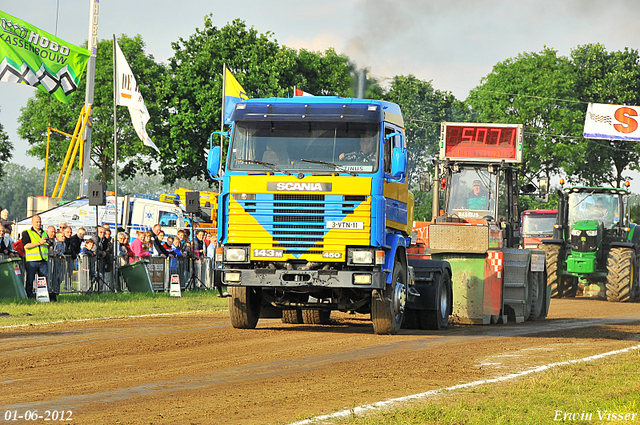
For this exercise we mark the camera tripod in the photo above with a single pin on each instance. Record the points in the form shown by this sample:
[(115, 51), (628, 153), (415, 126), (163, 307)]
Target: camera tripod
[(97, 280), (194, 281)]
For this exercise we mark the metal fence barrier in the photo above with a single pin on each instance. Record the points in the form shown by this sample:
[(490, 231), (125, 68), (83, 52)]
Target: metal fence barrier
[(88, 274)]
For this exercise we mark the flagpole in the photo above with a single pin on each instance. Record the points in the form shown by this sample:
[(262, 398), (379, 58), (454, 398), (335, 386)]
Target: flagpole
[(92, 45), (115, 150)]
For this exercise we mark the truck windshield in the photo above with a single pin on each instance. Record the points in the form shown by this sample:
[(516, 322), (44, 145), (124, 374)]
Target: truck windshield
[(298, 146), (594, 206), (538, 224), (472, 194)]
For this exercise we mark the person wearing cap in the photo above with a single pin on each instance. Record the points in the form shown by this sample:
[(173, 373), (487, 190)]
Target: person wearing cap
[(478, 198)]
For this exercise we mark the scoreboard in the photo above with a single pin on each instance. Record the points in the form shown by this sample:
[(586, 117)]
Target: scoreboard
[(481, 142)]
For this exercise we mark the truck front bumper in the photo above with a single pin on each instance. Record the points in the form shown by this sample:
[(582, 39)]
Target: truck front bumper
[(303, 278)]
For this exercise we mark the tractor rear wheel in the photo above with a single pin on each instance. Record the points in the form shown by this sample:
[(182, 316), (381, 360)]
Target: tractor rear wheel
[(244, 306), (553, 279), (621, 272)]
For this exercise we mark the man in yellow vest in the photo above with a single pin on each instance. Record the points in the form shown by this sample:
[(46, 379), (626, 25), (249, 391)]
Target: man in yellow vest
[(36, 250)]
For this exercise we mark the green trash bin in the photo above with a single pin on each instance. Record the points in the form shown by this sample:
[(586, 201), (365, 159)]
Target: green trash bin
[(11, 280), (136, 277)]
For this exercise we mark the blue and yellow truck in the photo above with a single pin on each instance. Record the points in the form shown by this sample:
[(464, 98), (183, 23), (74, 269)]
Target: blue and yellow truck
[(315, 215)]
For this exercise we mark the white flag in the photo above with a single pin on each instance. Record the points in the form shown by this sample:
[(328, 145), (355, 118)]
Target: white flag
[(128, 94)]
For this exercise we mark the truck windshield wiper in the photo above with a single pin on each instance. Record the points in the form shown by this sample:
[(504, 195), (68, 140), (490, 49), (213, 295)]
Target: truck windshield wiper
[(330, 164), (266, 164)]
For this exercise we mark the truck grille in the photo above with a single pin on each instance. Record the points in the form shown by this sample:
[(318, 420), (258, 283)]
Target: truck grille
[(297, 222)]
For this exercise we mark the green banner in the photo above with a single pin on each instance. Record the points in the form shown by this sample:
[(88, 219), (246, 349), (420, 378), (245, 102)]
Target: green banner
[(34, 57)]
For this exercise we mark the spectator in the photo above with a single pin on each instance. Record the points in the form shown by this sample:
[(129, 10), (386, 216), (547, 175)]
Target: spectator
[(125, 253), (103, 249), (36, 250), (182, 240), (198, 244), (207, 239), (168, 244), (6, 244), (158, 248), (4, 220), (61, 227), (67, 240), (211, 250), (90, 257), (137, 246), (76, 241), (59, 247), (51, 235)]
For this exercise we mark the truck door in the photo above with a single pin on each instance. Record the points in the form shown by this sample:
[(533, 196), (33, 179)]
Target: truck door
[(396, 193)]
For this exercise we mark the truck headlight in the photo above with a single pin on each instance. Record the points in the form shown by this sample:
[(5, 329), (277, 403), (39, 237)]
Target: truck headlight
[(235, 255), (361, 256), (576, 232), (592, 233)]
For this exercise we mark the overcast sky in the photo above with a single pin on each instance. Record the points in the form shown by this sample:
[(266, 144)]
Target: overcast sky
[(454, 44)]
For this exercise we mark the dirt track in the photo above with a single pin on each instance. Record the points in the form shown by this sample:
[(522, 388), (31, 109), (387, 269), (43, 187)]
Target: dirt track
[(197, 369)]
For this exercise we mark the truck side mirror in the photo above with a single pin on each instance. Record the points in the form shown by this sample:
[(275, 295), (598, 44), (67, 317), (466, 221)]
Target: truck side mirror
[(214, 158), (399, 162)]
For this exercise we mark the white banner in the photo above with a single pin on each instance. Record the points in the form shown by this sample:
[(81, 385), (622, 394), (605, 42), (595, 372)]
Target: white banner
[(128, 94), (612, 122)]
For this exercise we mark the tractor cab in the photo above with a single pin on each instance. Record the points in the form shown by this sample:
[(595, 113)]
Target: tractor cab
[(472, 193)]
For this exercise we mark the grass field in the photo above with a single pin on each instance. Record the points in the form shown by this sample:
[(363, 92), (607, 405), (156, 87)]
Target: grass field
[(603, 391), (78, 306)]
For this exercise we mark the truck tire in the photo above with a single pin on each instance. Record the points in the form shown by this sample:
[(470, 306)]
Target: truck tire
[(538, 286), (411, 319), (244, 306), (387, 310), (553, 280), (316, 317), (293, 317), (438, 319), (621, 271)]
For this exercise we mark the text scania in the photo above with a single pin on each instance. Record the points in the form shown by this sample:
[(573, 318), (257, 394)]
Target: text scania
[(299, 187)]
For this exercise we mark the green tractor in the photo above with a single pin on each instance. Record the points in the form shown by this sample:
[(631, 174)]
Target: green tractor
[(593, 240)]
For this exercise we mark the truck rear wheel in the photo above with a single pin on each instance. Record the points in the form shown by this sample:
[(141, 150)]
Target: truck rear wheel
[(621, 269), (538, 286), (438, 319), (387, 310), (244, 306), (316, 317), (293, 317)]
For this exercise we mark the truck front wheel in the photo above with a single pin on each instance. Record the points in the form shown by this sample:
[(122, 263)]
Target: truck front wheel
[(387, 309), (244, 306)]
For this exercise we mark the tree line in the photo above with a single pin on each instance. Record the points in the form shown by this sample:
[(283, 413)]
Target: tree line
[(545, 91)]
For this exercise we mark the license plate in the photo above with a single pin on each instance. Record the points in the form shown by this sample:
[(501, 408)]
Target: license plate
[(347, 225)]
